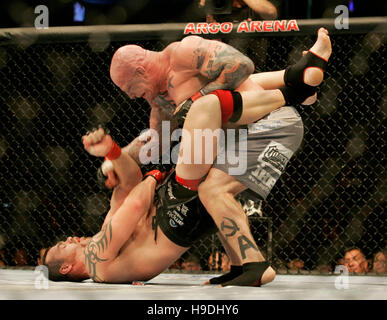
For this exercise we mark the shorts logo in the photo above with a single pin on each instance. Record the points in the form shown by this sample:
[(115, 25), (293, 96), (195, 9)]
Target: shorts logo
[(170, 192), (172, 223), (177, 215), (276, 156)]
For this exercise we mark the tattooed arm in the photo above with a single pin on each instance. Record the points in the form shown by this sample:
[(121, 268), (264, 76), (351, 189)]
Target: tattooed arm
[(105, 246), (223, 66)]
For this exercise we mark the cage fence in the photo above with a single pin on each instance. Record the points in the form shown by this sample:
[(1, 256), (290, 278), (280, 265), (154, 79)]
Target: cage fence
[(331, 197)]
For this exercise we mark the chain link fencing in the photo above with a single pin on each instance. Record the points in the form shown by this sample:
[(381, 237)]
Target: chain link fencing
[(331, 197)]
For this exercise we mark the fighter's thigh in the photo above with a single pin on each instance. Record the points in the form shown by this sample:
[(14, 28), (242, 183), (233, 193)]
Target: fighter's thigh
[(219, 182)]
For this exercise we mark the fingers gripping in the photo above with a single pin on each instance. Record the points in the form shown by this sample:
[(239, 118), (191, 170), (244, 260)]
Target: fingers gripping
[(97, 142)]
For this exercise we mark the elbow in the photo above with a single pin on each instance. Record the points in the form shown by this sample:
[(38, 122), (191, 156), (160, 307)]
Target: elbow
[(137, 205), (246, 67)]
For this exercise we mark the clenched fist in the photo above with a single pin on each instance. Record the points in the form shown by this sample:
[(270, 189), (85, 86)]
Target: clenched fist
[(98, 143)]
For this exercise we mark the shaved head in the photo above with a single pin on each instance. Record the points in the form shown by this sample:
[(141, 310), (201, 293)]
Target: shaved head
[(124, 63)]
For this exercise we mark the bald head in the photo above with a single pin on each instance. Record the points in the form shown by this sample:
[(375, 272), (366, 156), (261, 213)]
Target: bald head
[(124, 63)]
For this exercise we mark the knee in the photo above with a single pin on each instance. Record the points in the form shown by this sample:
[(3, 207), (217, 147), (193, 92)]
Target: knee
[(208, 190), (204, 107), (218, 185)]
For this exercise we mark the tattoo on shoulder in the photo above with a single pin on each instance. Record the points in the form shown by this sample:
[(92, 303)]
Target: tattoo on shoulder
[(95, 248), (235, 66), (199, 55)]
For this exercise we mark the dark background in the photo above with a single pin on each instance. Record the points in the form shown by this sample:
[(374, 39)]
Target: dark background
[(21, 12)]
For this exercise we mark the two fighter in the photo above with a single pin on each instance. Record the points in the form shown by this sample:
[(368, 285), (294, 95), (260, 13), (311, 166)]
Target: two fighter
[(207, 67)]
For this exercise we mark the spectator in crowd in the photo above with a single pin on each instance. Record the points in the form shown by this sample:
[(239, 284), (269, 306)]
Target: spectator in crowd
[(219, 261), (296, 264), (20, 257), (341, 262), (191, 263), (323, 268), (355, 261), (177, 264), (2, 259), (41, 254), (240, 10), (379, 263), (243, 10)]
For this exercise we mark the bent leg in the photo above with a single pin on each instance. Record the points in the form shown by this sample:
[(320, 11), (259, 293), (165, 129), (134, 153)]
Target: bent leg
[(217, 195), (200, 135)]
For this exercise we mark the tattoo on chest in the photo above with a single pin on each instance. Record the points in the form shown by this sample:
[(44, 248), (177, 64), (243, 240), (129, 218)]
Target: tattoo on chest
[(95, 248), (164, 101)]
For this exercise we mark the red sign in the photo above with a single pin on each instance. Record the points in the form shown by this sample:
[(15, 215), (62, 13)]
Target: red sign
[(244, 26)]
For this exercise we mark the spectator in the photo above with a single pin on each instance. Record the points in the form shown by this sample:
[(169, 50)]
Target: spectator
[(2, 259), (380, 262), (324, 268), (219, 261), (296, 264), (244, 10), (341, 262), (20, 257), (191, 263), (41, 254), (241, 10), (355, 260)]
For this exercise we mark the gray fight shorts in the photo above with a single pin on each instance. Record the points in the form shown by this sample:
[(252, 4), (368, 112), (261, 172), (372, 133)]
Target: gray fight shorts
[(271, 142)]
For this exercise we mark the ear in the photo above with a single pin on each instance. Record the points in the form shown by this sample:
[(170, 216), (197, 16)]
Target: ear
[(65, 268), (140, 71)]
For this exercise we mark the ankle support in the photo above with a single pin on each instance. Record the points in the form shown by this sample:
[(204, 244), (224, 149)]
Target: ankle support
[(235, 271), (294, 74), (251, 276)]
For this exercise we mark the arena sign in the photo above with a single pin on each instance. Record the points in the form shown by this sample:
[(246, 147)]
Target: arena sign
[(243, 27)]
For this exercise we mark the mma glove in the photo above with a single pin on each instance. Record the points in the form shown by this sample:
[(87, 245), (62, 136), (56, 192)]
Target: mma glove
[(155, 174), (158, 171)]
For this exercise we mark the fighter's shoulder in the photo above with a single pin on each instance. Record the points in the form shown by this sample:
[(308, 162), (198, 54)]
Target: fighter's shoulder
[(189, 43)]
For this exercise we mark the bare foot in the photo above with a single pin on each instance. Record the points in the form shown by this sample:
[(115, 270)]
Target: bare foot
[(322, 48)]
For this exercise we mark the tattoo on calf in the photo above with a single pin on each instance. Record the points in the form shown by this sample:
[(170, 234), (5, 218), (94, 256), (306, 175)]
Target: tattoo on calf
[(229, 228), (95, 248), (233, 227), (244, 244)]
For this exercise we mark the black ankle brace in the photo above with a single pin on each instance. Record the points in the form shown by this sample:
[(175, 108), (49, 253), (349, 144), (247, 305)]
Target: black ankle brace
[(234, 272), (251, 276)]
